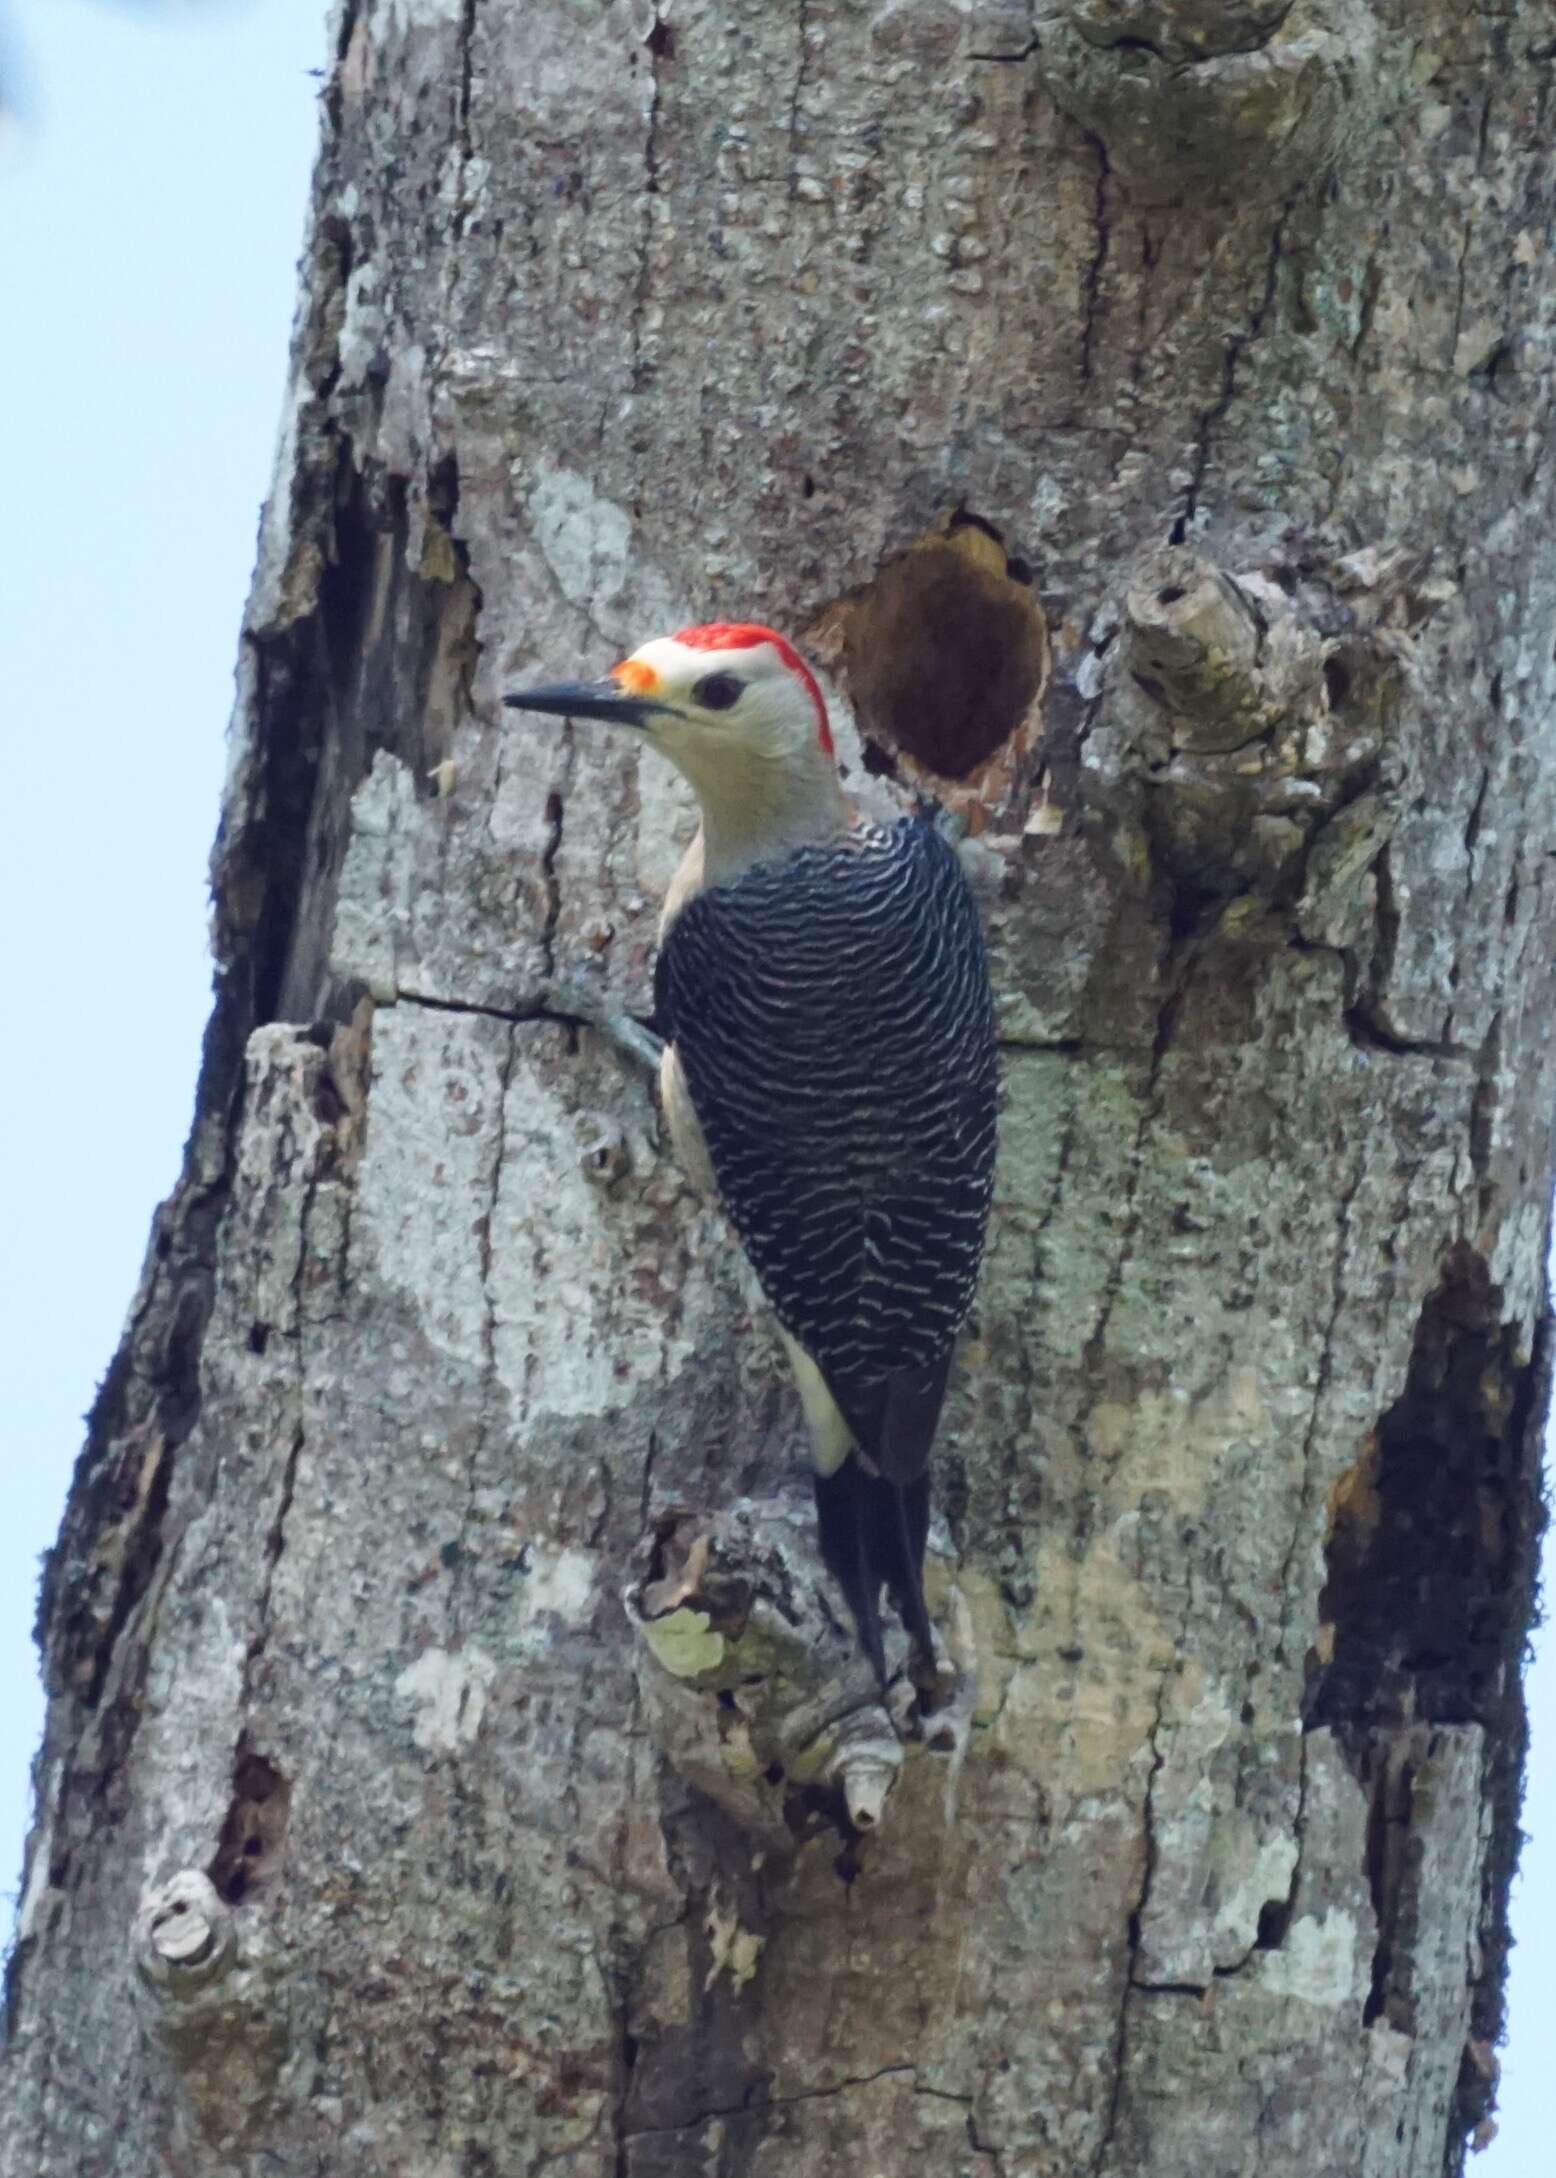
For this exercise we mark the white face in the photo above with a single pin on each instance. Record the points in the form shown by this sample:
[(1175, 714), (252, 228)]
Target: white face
[(725, 706)]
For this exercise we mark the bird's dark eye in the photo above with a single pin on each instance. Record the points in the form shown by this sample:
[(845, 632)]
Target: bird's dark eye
[(718, 691)]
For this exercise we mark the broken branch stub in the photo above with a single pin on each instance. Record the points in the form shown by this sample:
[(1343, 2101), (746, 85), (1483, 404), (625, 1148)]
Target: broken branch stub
[(1248, 738), (753, 1683), (1194, 646), (185, 1938), (216, 2009)]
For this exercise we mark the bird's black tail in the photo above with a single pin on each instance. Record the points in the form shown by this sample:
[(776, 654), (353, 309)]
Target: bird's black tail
[(872, 1531)]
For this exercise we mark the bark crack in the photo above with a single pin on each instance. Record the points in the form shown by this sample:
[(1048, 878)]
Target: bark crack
[(275, 1540), (1371, 290), (1136, 1919), (784, 2102), (465, 50), (517, 1016), (1066, 1046), (551, 886), (1236, 347), (1150, 1109), (1061, 1173), (801, 75), (466, 88), (646, 1491), (1472, 826), (1369, 1035), (1321, 1384), (655, 46), (1483, 1113), (1091, 276), (475, 1006), (466, 64), (490, 1386), (1148, 1817), (1276, 1914), (256, 1780), (1364, 1016), (1462, 268)]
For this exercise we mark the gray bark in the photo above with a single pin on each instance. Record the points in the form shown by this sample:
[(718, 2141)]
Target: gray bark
[(1141, 409)]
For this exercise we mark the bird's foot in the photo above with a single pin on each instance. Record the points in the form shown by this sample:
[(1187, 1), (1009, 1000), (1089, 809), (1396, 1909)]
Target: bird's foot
[(933, 1674), (571, 998), (939, 1694), (924, 1687)]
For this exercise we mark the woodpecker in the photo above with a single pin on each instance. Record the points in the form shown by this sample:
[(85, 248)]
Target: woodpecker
[(828, 1065)]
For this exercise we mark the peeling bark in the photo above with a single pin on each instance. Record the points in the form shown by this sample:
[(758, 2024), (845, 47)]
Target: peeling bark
[(455, 1758)]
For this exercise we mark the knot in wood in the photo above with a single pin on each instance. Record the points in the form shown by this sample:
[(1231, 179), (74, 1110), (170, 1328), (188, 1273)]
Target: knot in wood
[(604, 1156), (185, 1938), (1194, 639), (1262, 738), (1182, 31), (1215, 98)]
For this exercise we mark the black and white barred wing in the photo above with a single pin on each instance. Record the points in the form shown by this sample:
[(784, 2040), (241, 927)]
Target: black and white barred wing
[(834, 1025)]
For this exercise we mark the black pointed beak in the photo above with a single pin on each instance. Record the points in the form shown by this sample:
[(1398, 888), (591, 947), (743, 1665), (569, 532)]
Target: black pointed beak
[(605, 699)]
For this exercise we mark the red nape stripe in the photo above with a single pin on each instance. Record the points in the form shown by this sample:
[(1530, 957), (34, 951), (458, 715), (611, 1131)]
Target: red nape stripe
[(745, 635)]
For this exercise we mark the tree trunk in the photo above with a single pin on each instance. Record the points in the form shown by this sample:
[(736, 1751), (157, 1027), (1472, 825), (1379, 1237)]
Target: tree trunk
[(447, 1717)]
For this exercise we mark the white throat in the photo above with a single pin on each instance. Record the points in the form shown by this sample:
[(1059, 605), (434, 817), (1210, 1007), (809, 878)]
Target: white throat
[(757, 807)]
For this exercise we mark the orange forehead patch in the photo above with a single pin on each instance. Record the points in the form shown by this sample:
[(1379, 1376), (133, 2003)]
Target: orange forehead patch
[(635, 677)]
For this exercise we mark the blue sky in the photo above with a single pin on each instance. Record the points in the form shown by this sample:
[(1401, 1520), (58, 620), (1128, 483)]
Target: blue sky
[(153, 178), (152, 184)]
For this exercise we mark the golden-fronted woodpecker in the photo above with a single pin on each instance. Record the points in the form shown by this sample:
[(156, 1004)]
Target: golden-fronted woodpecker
[(829, 1064)]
